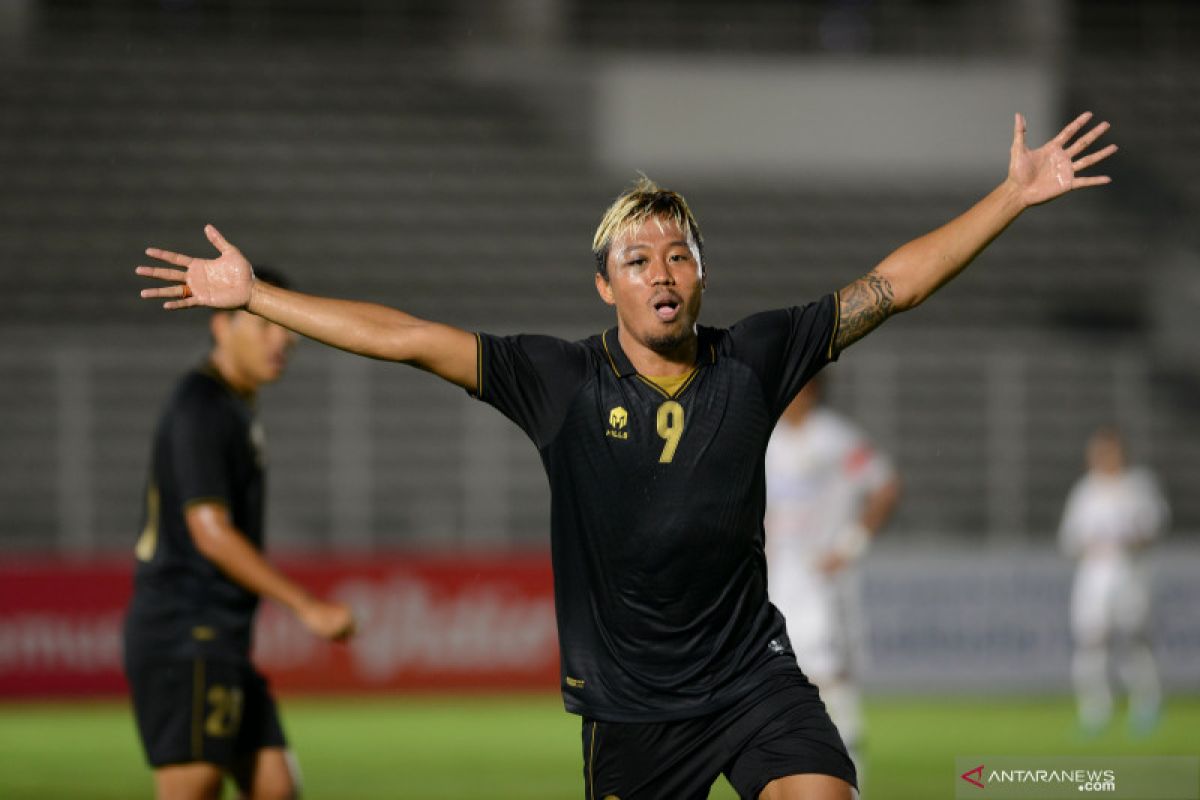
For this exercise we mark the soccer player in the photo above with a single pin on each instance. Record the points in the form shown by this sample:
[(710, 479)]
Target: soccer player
[(1112, 514), (202, 710), (652, 435), (829, 492)]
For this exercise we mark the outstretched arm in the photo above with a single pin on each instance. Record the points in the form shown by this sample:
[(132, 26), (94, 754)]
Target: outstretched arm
[(368, 329), (917, 269)]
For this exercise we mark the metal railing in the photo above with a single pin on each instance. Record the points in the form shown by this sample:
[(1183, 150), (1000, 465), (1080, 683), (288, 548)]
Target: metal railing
[(371, 455)]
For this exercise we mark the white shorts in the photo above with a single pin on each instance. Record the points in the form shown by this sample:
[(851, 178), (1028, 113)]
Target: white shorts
[(1109, 598), (823, 620)]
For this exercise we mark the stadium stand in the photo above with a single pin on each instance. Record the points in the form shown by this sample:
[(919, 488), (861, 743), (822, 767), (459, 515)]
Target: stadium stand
[(375, 166)]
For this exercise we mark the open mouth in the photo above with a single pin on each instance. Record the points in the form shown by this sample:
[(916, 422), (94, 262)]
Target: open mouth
[(666, 308)]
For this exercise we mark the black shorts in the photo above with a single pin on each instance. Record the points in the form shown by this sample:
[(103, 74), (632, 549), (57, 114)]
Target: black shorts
[(781, 729), (202, 710)]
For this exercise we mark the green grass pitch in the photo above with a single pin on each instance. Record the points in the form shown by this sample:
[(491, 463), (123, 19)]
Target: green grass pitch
[(525, 747)]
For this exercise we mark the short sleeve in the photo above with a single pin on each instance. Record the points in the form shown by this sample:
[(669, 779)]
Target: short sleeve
[(787, 347), (531, 380), (198, 438)]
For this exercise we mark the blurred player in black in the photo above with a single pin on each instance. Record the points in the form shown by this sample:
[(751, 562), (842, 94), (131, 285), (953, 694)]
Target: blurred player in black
[(202, 710), (652, 435)]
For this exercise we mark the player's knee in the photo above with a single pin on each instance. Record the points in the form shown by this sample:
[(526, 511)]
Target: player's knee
[(270, 776), (807, 787), (282, 790), (194, 781)]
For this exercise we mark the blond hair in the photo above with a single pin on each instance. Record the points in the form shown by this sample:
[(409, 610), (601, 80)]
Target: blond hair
[(640, 202)]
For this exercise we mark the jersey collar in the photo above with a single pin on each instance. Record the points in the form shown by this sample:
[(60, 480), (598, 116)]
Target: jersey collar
[(622, 367)]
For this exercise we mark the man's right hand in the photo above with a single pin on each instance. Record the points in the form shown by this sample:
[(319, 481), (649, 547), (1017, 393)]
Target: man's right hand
[(226, 281), (328, 620), (368, 329)]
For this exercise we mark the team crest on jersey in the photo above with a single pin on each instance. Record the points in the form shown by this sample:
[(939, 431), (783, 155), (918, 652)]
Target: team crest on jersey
[(618, 419)]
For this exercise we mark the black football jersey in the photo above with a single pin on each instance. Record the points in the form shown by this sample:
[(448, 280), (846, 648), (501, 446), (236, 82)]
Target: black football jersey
[(657, 503), (208, 447)]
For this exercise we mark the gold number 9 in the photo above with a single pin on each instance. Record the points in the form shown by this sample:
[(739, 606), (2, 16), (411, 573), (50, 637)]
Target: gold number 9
[(670, 427)]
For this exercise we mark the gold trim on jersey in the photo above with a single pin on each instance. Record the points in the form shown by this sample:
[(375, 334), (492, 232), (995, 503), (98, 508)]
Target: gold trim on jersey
[(198, 709), (650, 382), (686, 383), (671, 386), (147, 543), (611, 362), (592, 764), (664, 386)]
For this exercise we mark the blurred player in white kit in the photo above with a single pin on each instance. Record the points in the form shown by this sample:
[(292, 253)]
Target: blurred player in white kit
[(1113, 512), (828, 493)]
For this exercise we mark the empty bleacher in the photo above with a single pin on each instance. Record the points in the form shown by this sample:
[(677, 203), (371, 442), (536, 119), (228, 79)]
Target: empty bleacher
[(395, 175)]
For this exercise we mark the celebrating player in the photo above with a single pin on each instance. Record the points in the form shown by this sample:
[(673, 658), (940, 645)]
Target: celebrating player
[(652, 434), (828, 494), (1113, 513), (202, 710)]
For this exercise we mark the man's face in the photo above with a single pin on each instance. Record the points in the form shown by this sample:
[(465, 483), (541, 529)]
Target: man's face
[(257, 349), (655, 281)]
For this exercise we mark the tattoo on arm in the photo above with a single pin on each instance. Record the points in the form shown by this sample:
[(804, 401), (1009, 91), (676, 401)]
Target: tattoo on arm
[(864, 304)]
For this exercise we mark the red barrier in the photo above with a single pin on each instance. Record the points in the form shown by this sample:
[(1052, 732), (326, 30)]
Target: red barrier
[(60, 627), (428, 622)]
